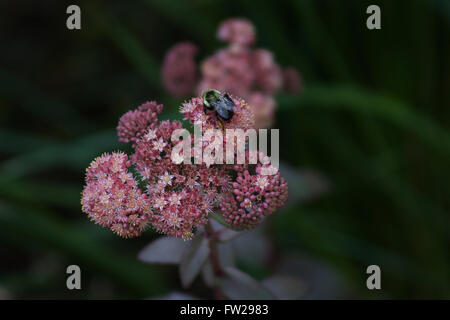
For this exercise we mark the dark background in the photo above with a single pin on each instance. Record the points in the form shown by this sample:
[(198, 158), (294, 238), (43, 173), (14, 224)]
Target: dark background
[(373, 119)]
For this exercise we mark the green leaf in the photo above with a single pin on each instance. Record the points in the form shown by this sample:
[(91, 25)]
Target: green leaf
[(316, 36), (12, 141), (31, 225), (36, 103), (361, 101), (76, 154), (185, 16), (51, 193), (127, 43)]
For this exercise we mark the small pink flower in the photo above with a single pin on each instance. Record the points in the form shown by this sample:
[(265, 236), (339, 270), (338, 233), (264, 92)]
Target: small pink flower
[(187, 108), (172, 219), (261, 182), (159, 203), (174, 199), (159, 145), (166, 179), (191, 183), (177, 158), (150, 135)]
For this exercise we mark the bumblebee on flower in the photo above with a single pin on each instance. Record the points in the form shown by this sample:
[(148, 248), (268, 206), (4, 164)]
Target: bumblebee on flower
[(127, 194)]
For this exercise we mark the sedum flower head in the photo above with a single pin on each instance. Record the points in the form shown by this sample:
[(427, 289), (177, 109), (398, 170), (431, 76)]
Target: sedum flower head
[(111, 197), (179, 70), (126, 194), (253, 197), (238, 69), (136, 123), (228, 70)]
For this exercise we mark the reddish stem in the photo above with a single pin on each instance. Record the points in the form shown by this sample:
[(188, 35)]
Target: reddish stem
[(214, 259)]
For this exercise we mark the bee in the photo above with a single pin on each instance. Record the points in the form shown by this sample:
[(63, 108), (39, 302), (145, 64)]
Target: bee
[(222, 103)]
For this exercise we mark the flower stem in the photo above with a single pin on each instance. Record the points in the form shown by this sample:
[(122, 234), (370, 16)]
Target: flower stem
[(214, 259)]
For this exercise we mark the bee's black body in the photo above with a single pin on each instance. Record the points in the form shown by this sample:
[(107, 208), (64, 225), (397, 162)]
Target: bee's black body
[(222, 103)]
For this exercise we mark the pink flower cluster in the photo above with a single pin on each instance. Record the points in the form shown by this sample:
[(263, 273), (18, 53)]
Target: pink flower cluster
[(179, 70), (112, 198), (253, 197), (135, 123), (127, 194), (238, 69)]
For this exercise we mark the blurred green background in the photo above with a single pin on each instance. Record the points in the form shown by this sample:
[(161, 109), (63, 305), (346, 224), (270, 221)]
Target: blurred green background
[(374, 119)]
